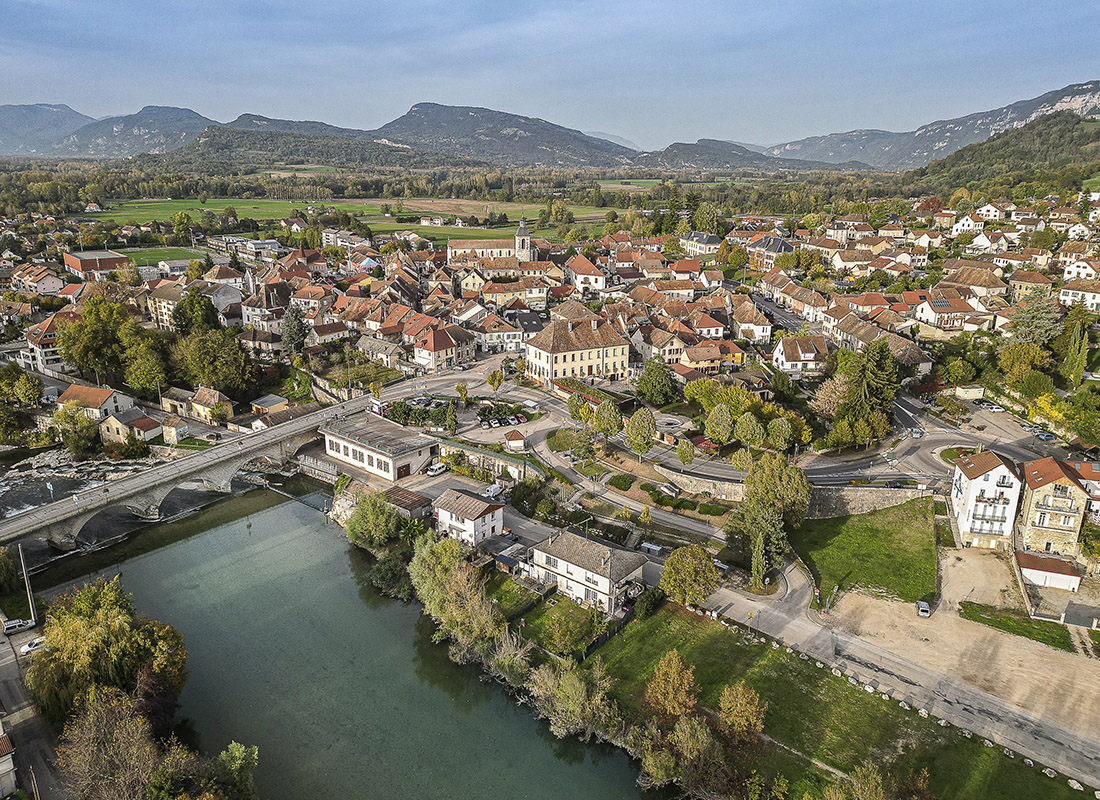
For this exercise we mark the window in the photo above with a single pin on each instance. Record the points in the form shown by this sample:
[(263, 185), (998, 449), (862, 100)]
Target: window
[(1061, 490), (590, 596), (551, 562), (1042, 519)]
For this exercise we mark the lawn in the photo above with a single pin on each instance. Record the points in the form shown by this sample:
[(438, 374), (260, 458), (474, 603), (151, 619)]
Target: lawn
[(816, 713), (951, 454), (561, 440), (592, 469), (1095, 637), (153, 255), (508, 595), (191, 443), (536, 621), (1051, 634), (892, 551), (945, 537), (164, 210), (1092, 184)]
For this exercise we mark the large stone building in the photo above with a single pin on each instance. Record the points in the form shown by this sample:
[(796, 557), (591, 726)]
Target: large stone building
[(577, 348), (518, 247), (590, 572), (1057, 497)]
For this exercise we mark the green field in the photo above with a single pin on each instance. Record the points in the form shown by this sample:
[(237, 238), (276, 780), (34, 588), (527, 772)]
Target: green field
[(891, 551), (1018, 623), (1092, 184), (370, 208), (818, 714), (152, 255)]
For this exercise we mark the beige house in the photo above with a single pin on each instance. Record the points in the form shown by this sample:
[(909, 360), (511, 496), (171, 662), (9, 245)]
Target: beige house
[(118, 425), (211, 406), (588, 571), (1054, 506), (578, 348)]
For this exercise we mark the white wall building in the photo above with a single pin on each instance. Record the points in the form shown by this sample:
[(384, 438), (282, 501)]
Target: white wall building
[(985, 494), (589, 572), (467, 517), (377, 446)]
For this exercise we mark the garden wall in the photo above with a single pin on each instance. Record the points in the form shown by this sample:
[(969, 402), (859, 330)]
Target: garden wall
[(840, 501)]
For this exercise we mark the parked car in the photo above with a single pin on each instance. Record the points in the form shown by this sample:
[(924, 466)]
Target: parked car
[(917, 433), (923, 609), (513, 421), (994, 408), (16, 625), (893, 485), (1045, 437), (437, 469), (485, 425), (493, 491), (494, 423), (34, 644), (521, 418)]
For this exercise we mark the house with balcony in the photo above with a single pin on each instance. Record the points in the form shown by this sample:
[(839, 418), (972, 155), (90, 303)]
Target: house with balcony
[(985, 495), (1057, 498), (588, 571), (467, 517)]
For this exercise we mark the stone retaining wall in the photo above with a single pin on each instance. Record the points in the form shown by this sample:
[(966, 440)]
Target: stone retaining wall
[(839, 501), (726, 490)]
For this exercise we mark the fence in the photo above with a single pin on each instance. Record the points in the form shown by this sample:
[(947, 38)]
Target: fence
[(603, 637)]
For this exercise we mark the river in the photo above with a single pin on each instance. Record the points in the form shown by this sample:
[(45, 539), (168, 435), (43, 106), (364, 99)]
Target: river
[(345, 694)]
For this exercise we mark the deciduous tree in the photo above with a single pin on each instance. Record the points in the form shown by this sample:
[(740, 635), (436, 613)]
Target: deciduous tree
[(608, 420), (78, 432), (685, 451), (671, 690), (655, 385), (741, 712), (719, 424), (373, 523), (690, 576), (640, 431), (748, 430), (1036, 321)]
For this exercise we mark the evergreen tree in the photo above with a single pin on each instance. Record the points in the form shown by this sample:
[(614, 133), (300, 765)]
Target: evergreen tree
[(1078, 356), (294, 329)]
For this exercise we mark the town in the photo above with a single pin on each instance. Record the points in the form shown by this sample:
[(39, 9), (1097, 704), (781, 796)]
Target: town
[(584, 418)]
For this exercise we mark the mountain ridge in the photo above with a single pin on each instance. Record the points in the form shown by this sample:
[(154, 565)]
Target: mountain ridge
[(913, 149)]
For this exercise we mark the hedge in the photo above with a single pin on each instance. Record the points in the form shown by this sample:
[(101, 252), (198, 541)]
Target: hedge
[(621, 482), (712, 510)]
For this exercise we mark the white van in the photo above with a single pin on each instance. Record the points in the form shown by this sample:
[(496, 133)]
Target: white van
[(493, 492), (16, 625), (437, 469)]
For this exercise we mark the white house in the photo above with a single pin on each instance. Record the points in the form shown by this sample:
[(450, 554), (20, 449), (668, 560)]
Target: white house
[(467, 517), (377, 446), (800, 356), (588, 571), (98, 403), (585, 275), (985, 493), (1084, 292), (971, 224), (1083, 268)]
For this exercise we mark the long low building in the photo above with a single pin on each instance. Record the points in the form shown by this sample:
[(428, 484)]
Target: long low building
[(377, 446)]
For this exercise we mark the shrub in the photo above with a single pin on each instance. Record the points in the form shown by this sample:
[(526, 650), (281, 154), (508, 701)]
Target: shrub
[(649, 601), (712, 510), (621, 482)]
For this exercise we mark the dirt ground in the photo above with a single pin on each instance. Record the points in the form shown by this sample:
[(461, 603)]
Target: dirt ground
[(979, 576), (1045, 682)]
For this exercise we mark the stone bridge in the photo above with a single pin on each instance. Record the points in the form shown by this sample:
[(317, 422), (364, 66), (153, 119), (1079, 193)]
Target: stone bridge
[(60, 522)]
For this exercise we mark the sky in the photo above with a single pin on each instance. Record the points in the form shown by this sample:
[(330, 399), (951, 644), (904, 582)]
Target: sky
[(652, 72)]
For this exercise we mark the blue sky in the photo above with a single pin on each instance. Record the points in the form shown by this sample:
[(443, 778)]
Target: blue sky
[(653, 72)]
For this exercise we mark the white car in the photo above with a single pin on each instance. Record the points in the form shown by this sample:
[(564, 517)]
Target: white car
[(436, 469), (33, 645), (993, 408), (917, 433)]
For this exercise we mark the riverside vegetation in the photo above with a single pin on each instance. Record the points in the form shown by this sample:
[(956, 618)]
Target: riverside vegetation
[(708, 710), (111, 680)]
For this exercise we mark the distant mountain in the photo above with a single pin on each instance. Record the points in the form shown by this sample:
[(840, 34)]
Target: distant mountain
[(254, 122), (890, 150), (610, 137), (712, 154), (756, 148), (220, 149), (500, 138), (33, 128), (154, 129), (1053, 141)]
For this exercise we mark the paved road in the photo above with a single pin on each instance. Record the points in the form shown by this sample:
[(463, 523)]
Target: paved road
[(964, 706), (34, 741)]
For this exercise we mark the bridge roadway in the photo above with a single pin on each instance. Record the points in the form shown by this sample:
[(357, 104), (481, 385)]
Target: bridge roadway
[(117, 492)]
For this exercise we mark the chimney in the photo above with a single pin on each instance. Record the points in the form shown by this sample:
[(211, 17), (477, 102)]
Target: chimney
[(594, 321)]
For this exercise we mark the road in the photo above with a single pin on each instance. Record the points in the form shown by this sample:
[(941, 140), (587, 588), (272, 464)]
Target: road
[(30, 734), (788, 620)]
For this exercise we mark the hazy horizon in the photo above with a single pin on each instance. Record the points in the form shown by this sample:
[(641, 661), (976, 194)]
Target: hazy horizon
[(644, 71)]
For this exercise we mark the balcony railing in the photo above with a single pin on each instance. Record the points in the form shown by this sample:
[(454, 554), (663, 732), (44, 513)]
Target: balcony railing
[(1065, 508), (996, 501)]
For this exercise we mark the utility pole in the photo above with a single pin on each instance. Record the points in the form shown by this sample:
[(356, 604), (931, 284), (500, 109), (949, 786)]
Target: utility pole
[(27, 581)]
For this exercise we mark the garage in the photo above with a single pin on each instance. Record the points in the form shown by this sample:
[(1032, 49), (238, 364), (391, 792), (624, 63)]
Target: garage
[(1048, 571)]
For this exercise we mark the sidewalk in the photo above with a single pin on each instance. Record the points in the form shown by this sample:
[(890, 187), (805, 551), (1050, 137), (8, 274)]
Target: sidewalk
[(32, 737)]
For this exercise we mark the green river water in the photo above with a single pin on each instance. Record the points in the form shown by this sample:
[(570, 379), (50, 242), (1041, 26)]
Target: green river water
[(343, 690)]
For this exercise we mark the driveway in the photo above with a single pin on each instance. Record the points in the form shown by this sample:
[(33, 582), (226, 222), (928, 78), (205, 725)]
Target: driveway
[(33, 740)]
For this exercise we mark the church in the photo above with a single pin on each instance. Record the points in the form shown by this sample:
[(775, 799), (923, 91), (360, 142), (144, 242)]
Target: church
[(520, 247)]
